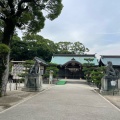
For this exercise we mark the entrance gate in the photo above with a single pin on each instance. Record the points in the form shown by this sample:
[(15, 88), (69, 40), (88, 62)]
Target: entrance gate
[(71, 70)]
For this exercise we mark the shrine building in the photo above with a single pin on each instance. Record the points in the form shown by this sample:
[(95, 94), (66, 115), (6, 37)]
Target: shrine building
[(70, 65)]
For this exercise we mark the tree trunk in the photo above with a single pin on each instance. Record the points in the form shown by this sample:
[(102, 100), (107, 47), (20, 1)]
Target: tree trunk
[(7, 36), (8, 32), (5, 76)]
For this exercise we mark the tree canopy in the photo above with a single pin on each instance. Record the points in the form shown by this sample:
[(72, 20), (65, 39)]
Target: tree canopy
[(93, 74), (71, 48), (26, 14), (33, 45)]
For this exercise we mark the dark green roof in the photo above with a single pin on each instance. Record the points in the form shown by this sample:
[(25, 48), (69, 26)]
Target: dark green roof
[(64, 58)]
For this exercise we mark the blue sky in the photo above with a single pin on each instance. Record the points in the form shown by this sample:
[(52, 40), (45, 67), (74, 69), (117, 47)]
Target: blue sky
[(95, 23)]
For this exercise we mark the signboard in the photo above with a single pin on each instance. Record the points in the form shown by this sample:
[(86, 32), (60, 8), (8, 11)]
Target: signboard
[(17, 69), (113, 83)]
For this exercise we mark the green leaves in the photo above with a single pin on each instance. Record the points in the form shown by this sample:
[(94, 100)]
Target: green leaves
[(52, 67), (79, 48), (4, 50), (29, 14), (93, 73), (32, 45), (97, 74), (88, 68), (64, 47), (89, 60), (54, 8), (71, 48)]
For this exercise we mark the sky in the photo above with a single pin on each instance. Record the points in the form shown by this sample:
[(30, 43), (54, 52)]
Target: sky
[(95, 23)]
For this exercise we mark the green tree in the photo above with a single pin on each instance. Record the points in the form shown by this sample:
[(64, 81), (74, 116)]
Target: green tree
[(19, 50), (97, 74), (44, 48), (27, 64), (4, 50), (78, 48), (31, 46), (71, 48), (93, 73), (88, 68), (53, 67), (64, 47), (24, 14)]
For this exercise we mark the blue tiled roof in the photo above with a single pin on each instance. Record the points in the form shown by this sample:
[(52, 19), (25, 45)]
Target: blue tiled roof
[(62, 59), (115, 59)]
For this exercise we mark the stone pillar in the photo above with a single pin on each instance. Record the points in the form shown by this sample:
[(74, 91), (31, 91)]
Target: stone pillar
[(104, 84), (119, 84), (50, 77)]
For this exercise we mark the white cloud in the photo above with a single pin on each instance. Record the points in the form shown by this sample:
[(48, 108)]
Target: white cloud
[(95, 23)]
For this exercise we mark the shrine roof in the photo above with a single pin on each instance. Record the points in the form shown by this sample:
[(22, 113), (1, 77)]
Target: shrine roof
[(61, 59), (115, 59), (41, 61)]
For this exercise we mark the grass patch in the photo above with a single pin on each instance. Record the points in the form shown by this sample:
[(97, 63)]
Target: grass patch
[(61, 82)]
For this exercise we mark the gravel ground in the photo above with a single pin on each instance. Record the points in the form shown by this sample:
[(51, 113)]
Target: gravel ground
[(113, 99), (16, 96), (73, 101)]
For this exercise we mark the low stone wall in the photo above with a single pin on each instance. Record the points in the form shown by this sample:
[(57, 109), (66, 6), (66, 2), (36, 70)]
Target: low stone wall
[(12, 86)]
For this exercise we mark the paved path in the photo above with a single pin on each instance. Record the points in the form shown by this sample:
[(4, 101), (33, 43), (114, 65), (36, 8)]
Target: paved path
[(73, 101)]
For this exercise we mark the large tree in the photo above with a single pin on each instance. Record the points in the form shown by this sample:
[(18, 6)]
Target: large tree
[(24, 14), (71, 48), (44, 47), (79, 48), (19, 49), (64, 47)]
